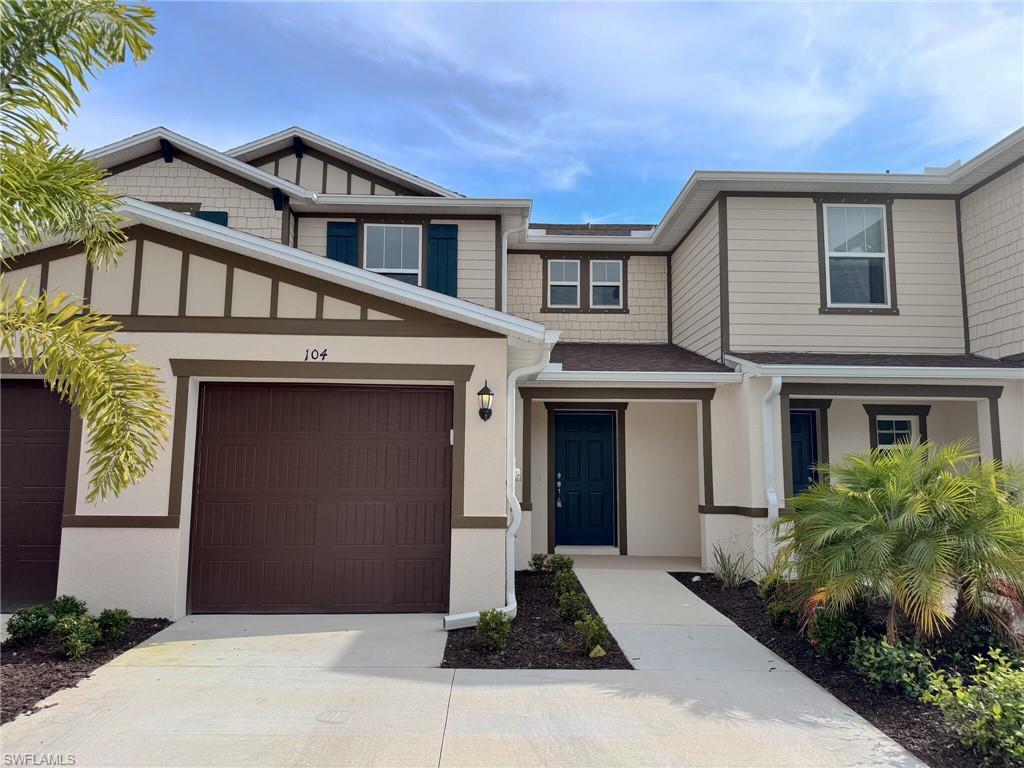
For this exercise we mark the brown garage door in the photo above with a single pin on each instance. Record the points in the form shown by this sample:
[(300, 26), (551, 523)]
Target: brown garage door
[(328, 499), (33, 462)]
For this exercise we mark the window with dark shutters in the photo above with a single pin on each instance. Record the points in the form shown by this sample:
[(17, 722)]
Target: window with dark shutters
[(443, 258), (214, 217), (341, 242)]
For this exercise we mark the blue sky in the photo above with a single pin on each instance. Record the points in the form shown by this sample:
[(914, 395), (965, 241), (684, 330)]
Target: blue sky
[(599, 112)]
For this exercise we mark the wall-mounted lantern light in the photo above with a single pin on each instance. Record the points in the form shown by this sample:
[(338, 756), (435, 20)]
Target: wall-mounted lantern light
[(486, 401)]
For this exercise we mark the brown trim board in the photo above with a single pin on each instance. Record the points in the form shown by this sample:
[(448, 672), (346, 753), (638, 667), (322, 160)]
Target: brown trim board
[(963, 278), (298, 370), (706, 453), (873, 410), (119, 521), (723, 274), (619, 393), (704, 509), (74, 464), (620, 466)]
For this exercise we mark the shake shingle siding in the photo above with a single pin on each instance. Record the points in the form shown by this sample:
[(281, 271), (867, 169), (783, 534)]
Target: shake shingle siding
[(180, 182), (696, 298), (992, 221), (645, 323)]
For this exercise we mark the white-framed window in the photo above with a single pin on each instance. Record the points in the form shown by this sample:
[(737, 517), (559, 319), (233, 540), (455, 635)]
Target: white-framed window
[(605, 284), (394, 250), (563, 283), (856, 256), (890, 430)]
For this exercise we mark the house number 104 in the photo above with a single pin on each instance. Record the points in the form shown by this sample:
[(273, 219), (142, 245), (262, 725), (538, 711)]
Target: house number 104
[(316, 354)]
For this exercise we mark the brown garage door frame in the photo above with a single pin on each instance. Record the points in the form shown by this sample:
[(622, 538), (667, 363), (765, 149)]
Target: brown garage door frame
[(456, 399)]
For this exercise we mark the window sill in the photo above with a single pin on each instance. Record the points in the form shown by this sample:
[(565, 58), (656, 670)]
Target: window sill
[(584, 311), (858, 311)]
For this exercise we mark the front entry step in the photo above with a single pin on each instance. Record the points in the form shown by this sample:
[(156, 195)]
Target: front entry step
[(570, 550)]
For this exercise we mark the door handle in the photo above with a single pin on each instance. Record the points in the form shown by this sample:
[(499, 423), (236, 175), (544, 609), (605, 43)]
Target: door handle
[(558, 490)]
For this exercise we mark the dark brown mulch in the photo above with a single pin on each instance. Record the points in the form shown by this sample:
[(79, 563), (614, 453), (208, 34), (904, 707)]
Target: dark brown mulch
[(534, 640), (28, 674), (917, 727)]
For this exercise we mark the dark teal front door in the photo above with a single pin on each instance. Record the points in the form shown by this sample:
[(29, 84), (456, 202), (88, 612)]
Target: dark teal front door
[(803, 435), (584, 481)]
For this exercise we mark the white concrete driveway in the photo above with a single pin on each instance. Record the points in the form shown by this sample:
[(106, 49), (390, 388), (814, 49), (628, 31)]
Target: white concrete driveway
[(365, 690)]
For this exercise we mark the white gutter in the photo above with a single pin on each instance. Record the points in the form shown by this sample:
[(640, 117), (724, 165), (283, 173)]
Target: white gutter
[(504, 260), (469, 619), (768, 442), (873, 371)]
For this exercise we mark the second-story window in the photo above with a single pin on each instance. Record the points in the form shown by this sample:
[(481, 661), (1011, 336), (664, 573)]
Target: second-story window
[(856, 256), (394, 250), (563, 284), (605, 284)]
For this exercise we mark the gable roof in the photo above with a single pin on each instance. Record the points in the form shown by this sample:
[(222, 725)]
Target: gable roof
[(147, 143), (137, 212), (282, 139)]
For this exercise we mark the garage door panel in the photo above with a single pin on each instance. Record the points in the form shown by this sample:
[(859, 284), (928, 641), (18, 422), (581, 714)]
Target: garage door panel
[(333, 519), (34, 428), (225, 525), (290, 525), (292, 466)]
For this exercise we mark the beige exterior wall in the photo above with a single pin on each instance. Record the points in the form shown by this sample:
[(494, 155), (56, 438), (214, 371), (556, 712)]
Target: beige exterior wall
[(992, 224), (179, 182), (94, 561), (774, 285), (647, 292), (477, 253), (696, 310), (662, 485), (310, 174)]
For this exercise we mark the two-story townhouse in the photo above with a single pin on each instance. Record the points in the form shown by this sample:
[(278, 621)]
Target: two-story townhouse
[(386, 395)]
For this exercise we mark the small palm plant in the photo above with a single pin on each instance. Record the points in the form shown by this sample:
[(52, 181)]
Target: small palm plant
[(926, 531)]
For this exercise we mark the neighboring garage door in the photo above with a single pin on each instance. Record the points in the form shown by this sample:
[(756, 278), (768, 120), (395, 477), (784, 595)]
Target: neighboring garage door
[(327, 499), (33, 463)]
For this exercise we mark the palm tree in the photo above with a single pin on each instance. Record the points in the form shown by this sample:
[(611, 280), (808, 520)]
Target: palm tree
[(924, 530), (48, 50)]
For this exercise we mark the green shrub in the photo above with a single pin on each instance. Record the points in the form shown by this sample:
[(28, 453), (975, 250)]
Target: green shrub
[(68, 605), (559, 563), (896, 525), (493, 629), (731, 570), (784, 609), (832, 633), (31, 623), (538, 561), (898, 667), (78, 634), (592, 631), (563, 582), (573, 606), (114, 622), (769, 580), (986, 712)]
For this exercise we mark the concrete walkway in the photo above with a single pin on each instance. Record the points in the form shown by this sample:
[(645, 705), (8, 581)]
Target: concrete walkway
[(365, 690)]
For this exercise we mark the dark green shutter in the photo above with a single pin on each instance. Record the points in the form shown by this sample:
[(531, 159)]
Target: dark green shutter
[(443, 258), (214, 217), (341, 242)]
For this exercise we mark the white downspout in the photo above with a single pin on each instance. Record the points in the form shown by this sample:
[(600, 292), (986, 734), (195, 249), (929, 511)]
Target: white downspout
[(469, 619), (504, 262), (769, 442)]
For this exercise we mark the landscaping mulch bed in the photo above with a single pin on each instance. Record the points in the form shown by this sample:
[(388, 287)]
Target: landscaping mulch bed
[(534, 640), (28, 674), (917, 727)]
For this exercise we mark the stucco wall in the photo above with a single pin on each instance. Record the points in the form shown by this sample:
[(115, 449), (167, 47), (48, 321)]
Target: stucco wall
[(662, 486), (696, 311), (647, 292), (94, 562), (774, 294), (179, 182), (992, 223)]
